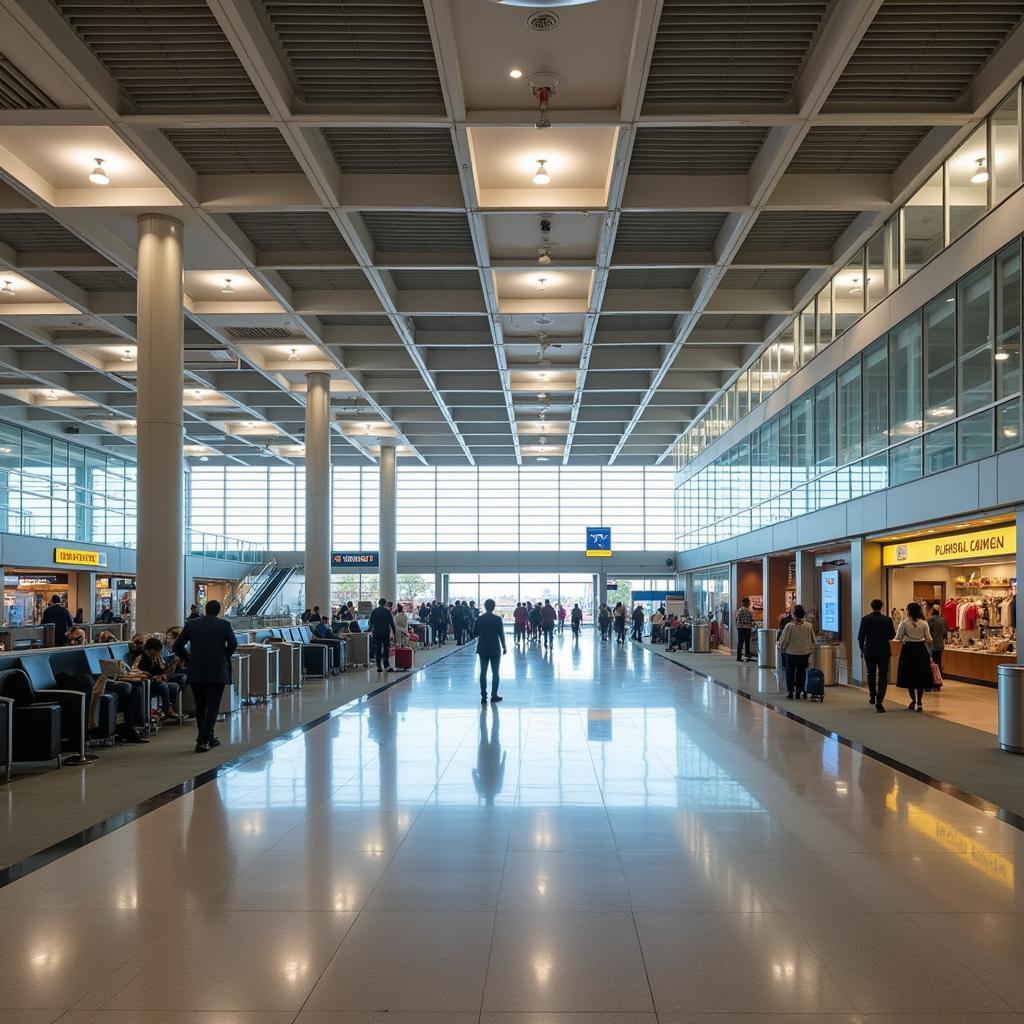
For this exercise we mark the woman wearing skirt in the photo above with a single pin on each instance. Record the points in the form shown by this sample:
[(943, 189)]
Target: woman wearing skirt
[(914, 671)]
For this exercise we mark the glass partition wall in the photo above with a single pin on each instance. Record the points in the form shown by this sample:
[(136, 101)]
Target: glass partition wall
[(941, 388), (982, 172)]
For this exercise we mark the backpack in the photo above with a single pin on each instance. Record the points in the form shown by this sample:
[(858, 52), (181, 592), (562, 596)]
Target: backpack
[(814, 684)]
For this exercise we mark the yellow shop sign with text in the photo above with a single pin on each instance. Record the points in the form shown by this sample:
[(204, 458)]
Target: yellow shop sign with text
[(72, 556), (953, 547)]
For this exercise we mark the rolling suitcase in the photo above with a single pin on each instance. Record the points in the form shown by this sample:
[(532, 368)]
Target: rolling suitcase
[(814, 684), (403, 657)]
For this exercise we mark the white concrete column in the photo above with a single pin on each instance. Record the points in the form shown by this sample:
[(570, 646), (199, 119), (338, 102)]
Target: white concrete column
[(438, 586), (160, 547), (806, 580), (318, 491), (388, 523)]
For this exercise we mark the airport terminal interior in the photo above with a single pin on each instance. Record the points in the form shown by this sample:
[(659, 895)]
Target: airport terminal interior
[(543, 482)]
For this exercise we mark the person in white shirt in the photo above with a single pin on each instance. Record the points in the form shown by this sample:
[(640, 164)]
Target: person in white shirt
[(914, 671), (402, 625)]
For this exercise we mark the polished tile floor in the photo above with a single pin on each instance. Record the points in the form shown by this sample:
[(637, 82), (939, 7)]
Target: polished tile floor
[(620, 841)]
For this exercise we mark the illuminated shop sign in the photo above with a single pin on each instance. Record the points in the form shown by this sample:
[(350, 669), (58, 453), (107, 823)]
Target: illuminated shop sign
[(953, 547), (72, 556), (362, 559)]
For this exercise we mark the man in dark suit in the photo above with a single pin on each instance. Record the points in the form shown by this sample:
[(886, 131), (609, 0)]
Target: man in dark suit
[(876, 630), (489, 632), (59, 617), (206, 645), (382, 628)]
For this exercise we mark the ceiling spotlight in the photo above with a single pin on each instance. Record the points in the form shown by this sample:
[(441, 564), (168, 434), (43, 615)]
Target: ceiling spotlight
[(544, 255), (515, 73), (97, 175), (542, 396), (541, 283), (266, 453), (293, 355), (198, 394), (855, 288), (50, 395), (1002, 356), (980, 175), (542, 440), (127, 356), (227, 289), (541, 176), (204, 458), (8, 288)]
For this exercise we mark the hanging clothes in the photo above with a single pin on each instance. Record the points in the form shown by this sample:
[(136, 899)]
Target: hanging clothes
[(949, 610)]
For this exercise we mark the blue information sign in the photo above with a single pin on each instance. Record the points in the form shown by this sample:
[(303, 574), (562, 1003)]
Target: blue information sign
[(599, 541)]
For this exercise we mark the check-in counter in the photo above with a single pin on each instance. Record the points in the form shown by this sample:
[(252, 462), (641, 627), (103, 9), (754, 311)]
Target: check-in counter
[(289, 663)]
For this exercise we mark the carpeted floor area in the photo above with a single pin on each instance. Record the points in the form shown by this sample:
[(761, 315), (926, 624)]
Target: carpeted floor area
[(959, 755), (43, 807)]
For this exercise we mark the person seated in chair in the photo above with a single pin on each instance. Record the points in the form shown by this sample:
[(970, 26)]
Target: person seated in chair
[(150, 665), (322, 630)]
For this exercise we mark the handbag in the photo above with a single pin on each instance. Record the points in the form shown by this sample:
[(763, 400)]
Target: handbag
[(936, 676)]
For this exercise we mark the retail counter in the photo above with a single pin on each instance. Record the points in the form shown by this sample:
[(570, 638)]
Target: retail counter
[(964, 664)]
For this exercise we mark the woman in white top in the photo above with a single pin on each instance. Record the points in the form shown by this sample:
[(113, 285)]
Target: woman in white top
[(796, 645), (402, 625), (914, 671)]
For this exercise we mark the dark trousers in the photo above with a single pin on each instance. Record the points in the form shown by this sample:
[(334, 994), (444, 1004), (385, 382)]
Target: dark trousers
[(638, 630), (493, 660), (131, 701), (620, 630), (743, 643), (381, 648), (878, 669), (207, 697), (796, 670), (937, 658), (549, 633)]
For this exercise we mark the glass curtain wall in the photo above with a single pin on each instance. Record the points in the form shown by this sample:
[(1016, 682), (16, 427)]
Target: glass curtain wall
[(445, 508), (978, 175), (941, 388), (50, 488)]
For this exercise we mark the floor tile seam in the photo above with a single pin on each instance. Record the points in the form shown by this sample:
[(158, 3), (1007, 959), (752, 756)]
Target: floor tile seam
[(134, 813), (982, 983), (973, 800)]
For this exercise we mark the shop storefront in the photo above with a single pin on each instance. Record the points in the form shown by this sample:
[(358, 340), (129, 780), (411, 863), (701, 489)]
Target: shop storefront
[(212, 590), (27, 592), (971, 575), (711, 601), (116, 595)]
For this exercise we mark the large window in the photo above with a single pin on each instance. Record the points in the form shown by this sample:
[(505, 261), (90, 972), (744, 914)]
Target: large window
[(974, 337), (940, 360), (445, 508), (905, 379)]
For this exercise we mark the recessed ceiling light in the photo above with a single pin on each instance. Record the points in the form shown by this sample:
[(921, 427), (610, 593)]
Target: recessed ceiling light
[(541, 176), (127, 356), (1002, 356), (97, 175), (8, 288), (542, 458), (204, 458), (515, 73), (227, 289), (980, 175)]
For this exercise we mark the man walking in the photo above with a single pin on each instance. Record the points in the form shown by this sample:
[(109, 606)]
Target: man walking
[(206, 645), (876, 630), (382, 628), (489, 632), (548, 617)]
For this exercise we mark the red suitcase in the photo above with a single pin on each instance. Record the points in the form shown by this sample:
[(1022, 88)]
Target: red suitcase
[(403, 657)]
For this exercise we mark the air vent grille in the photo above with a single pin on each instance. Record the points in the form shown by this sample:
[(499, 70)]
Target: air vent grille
[(164, 54), (283, 232), (436, 280), (36, 232), (784, 230), (665, 232), (234, 150), (392, 150), (777, 279), (695, 150), (358, 51), (731, 50), (18, 93), (101, 280), (926, 53), (419, 232), (656, 278), (325, 280), (858, 149), (259, 333)]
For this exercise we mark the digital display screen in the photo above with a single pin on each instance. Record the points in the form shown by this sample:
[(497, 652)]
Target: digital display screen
[(830, 601)]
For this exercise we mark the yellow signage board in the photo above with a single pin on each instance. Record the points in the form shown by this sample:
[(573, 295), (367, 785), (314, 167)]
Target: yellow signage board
[(72, 556), (996, 542)]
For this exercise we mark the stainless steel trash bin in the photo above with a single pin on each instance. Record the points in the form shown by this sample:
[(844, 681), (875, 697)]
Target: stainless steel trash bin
[(1011, 708), (823, 657), (701, 638), (766, 648)]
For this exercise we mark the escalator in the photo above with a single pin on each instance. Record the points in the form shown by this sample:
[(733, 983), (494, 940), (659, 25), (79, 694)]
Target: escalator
[(268, 589)]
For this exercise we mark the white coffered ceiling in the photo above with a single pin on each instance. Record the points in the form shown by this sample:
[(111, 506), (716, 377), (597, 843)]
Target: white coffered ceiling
[(356, 182)]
